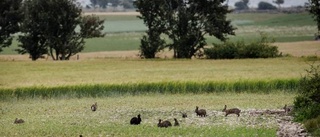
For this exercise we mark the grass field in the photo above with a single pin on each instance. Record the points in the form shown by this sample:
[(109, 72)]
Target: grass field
[(54, 97), (72, 117), (118, 71)]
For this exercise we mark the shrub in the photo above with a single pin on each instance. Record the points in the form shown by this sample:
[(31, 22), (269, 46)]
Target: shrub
[(227, 50), (307, 103), (313, 126), (257, 49)]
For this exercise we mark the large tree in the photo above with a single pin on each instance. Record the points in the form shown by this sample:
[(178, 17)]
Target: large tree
[(314, 9), (9, 21), (278, 2), (49, 27), (242, 5), (187, 22), (91, 26)]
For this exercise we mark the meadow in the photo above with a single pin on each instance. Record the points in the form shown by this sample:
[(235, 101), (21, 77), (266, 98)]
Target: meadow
[(54, 97)]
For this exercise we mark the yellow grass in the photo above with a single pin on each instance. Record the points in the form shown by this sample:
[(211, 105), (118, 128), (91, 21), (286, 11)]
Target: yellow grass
[(298, 49), (117, 71)]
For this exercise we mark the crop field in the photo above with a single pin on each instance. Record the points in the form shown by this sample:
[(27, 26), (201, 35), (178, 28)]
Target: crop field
[(54, 97)]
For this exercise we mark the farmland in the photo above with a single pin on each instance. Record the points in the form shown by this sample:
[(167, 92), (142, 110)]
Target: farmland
[(54, 97)]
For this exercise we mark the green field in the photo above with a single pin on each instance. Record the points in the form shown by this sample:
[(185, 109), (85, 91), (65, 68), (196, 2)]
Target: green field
[(72, 117), (124, 32), (54, 97)]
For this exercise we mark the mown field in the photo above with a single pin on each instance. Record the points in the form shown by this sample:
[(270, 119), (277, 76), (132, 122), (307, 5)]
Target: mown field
[(54, 97)]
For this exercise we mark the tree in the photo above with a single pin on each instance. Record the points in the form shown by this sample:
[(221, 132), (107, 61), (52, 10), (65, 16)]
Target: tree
[(314, 9), (103, 3), (114, 3), (9, 21), (242, 5), (91, 26), (187, 22), (265, 6), (152, 42), (278, 2), (127, 4), (48, 30), (94, 3)]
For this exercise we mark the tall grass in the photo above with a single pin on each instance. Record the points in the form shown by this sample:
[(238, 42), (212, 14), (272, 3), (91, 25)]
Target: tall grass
[(105, 90)]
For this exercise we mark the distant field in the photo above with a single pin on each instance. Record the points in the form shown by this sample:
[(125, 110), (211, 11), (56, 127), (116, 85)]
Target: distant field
[(120, 71), (124, 30)]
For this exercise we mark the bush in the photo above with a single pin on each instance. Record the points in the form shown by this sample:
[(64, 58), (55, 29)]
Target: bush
[(229, 50), (307, 103), (313, 126)]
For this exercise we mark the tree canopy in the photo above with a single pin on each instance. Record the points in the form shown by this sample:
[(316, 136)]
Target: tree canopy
[(186, 22), (278, 2), (46, 30), (266, 6), (9, 21), (242, 5), (314, 10)]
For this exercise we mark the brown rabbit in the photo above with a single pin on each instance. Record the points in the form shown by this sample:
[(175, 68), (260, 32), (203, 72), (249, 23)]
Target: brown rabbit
[(18, 121), (184, 115), (176, 123), (164, 123), (287, 109), (200, 112), (231, 111), (94, 106)]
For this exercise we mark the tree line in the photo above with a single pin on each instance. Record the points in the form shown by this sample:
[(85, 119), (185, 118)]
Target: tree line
[(127, 4), (47, 27)]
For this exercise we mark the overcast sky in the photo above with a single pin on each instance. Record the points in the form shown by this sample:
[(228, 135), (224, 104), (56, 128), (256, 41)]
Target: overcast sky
[(252, 3)]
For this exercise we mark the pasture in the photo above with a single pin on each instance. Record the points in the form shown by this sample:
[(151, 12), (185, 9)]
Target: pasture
[(54, 97)]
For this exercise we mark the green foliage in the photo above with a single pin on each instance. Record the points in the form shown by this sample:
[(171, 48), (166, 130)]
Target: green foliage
[(257, 49), (314, 10), (186, 22), (242, 5), (307, 103), (266, 6), (46, 27), (312, 125), (278, 2), (91, 26), (102, 90), (9, 21), (151, 44)]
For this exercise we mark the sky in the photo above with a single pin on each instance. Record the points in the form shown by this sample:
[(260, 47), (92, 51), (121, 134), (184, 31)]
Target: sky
[(252, 3)]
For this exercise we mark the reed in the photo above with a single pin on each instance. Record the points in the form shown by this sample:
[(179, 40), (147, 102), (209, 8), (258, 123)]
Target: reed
[(106, 90)]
